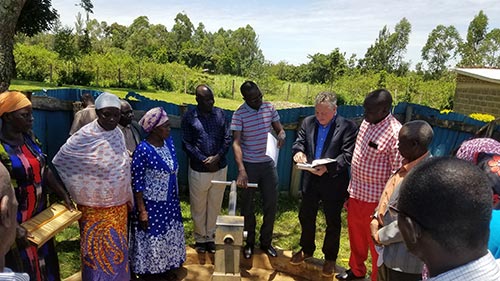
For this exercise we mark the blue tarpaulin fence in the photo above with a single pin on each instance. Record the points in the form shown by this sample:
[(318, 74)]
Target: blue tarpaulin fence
[(52, 128)]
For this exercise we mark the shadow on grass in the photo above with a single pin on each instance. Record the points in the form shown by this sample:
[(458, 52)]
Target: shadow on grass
[(68, 246)]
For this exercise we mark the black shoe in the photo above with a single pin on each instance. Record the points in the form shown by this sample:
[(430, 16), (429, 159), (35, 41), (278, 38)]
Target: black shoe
[(248, 251), (200, 247), (269, 250), (348, 275), (210, 246)]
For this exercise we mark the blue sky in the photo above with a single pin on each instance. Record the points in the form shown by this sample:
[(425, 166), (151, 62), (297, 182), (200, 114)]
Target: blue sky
[(291, 30)]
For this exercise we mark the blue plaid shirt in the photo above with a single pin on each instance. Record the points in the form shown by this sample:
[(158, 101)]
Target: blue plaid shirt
[(204, 136)]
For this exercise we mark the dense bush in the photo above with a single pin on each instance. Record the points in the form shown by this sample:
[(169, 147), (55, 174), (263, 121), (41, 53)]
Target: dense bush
[(161, 82), (116, 68), (77, 77), (34, 62)]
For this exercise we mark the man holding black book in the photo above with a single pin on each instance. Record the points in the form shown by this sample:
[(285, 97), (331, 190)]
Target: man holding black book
[(324, 135)]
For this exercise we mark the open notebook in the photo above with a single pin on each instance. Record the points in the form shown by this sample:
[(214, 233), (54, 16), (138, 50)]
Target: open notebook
[(312, 166), (49, 222)]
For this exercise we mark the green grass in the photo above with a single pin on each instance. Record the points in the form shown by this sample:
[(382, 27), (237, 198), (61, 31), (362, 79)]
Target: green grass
[(286, 233)]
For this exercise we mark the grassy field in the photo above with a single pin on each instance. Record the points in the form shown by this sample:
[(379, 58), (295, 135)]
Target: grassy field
[(226, 102)]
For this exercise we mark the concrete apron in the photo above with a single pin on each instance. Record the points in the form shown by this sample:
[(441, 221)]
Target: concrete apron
[(259, 267)]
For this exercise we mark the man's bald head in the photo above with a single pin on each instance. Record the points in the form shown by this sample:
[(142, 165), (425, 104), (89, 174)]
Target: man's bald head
[(205, 98), (8, 211)]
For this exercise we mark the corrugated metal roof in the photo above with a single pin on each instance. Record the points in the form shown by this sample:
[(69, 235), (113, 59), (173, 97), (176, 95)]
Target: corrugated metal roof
[(485, 74)]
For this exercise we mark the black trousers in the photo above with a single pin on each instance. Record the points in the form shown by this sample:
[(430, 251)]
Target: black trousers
[(332, 208), (385, 273), (266, 176)]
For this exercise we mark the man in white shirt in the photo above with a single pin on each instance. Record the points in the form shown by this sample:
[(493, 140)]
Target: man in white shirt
[(8, 224), (444, 212)]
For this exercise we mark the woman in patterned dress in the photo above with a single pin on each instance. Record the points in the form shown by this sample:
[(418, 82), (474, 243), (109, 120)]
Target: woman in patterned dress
[(157, 243), (24, 160), (95, 167)]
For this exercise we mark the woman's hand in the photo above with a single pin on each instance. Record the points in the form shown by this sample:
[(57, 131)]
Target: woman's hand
[(143, 219), (69, 204)]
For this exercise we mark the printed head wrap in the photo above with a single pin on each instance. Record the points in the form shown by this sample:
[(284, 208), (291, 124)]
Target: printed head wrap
[(153, 118), (12, 101), (107, 100)]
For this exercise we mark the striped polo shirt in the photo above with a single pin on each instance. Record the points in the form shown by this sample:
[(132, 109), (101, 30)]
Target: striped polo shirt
[(254, 126)]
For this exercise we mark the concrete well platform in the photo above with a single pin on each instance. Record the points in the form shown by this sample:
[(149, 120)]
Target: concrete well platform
[(199, 267)]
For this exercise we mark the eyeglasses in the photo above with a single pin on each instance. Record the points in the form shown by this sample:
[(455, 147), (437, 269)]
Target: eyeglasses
[(255, 99), (394, 211)]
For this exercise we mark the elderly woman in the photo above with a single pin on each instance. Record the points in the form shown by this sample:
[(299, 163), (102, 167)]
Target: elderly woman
[(94, 166), (30, 176), (157, 243)]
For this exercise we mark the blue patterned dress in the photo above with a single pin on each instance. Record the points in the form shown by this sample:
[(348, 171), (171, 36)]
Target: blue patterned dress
[(161, 247)]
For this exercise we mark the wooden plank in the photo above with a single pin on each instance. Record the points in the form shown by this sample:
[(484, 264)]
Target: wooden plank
[(448, 124), (51, 104)]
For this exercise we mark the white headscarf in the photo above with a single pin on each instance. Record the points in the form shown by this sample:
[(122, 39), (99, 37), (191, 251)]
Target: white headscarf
[(107, 100)]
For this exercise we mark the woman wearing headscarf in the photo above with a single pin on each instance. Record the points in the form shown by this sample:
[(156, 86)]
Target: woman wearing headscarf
[(94, 166), (30, 176), (157, 243)]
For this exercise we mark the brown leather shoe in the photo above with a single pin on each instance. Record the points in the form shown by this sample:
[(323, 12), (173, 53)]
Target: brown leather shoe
[(328, 268), (299, 258)]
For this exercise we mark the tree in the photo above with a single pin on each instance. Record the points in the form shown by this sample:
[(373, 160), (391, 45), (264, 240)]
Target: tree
[(197, 51), (326, 68), (118, 34), (65, 45), (9, 15), (491, 48), (388, 50), (27, 16), (36, 16), (244, 46), (139, 39), (181, 31), (441, 46), (476, 34)]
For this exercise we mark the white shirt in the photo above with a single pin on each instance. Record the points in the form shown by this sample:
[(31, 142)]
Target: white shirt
[(485, 268), (8, 275)]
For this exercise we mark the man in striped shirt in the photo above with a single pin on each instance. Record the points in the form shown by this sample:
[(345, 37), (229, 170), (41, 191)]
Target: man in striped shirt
[(250, 124), (375, 158)]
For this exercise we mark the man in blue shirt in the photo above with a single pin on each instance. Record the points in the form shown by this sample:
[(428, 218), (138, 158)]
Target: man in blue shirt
[(206, 139), (324, 135)]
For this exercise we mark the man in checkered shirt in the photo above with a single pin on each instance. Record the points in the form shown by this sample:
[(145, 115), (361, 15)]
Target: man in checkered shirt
[(375, 158)]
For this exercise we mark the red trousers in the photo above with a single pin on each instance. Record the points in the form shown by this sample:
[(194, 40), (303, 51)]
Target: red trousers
[(358, 224)]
